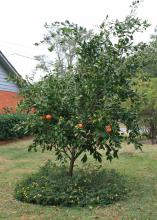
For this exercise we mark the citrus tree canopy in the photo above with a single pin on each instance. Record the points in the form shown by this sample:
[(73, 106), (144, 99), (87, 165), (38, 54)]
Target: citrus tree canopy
[(80, 112)]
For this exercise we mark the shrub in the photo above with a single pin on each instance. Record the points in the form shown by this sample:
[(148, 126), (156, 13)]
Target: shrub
[(50, 186), (7, 126)]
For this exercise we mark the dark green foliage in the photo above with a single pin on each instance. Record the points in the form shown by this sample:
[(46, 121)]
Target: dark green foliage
[(51, 186), (91, 84), (7, 126)]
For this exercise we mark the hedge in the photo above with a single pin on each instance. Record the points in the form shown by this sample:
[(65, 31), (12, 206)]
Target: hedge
[(7, 126)]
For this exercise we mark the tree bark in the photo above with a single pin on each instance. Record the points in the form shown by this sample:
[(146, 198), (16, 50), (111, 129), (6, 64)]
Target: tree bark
[(72, 161), (153, 134)]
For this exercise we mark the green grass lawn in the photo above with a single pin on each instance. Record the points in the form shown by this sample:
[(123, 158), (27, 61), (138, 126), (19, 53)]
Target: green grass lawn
[(140, 167)]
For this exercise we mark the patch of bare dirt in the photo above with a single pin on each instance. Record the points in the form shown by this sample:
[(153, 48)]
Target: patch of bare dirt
[(28, 217), (2, 170), (4, 160), (5, 142), (21, 170)]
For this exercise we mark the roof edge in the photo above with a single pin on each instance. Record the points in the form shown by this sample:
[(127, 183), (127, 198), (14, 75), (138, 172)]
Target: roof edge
[(8, 65)]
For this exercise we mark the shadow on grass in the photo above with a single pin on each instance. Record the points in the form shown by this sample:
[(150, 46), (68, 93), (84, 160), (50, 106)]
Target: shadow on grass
[(89, 186)]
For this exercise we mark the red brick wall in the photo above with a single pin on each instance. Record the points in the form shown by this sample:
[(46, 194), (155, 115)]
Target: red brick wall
[(8, 100)]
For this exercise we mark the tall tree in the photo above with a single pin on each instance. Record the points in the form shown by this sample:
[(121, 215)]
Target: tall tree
[(149, 56), (62, 40)]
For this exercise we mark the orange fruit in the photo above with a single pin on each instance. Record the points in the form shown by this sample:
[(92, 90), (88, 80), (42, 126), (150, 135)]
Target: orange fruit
[(80, 125), (48, 117), (108, 128), (33, 110)]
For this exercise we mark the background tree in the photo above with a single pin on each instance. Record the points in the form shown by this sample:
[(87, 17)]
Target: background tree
[(79, 106), (148, 113), (149, 56), (147, 89), (62, 40)]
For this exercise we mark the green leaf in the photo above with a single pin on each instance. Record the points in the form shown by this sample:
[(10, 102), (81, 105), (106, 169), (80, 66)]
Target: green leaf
[(84, 158)]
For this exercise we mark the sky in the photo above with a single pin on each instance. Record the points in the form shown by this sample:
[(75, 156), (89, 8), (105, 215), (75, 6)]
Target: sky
[(22, 21)]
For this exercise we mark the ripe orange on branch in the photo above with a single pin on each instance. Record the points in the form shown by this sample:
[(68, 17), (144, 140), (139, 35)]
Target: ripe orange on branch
[(48, 117), (108, 128), (33, 110), (80, 125)]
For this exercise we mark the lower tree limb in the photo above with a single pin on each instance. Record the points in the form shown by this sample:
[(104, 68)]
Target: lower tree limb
[(72, 161)]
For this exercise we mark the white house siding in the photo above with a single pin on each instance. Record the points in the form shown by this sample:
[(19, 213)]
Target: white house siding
[(6, 85)]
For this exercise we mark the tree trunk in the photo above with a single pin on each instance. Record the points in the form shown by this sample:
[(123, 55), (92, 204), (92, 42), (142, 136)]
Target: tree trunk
[(72, 160), (153, 134)]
